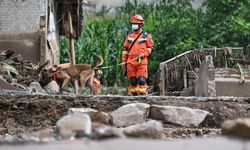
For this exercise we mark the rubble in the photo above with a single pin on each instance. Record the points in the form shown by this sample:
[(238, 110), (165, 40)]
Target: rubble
[(127, 115), (19, 73), (142, 107), (52, 87), (239, 128), (101, 131), (182, 116), (35, 88), (96, 116), (150, 129), (71, 126)]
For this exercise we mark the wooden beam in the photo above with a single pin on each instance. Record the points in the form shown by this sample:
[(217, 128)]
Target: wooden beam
[(72, 48)]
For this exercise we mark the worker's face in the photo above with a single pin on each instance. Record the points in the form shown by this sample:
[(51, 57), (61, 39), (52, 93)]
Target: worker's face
[(135, 27)]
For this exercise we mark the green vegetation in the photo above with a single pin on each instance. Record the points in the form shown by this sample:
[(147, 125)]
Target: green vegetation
[(174, 25)]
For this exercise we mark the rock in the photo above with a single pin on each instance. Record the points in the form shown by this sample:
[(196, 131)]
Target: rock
[(52, 87), (9, 139), (71, 125), (127, 115), (11, 125), (96, 116), (35, 88), (101, 131), (150, 129), (45, 135), (239, 127), (142, 107), (182, 116)]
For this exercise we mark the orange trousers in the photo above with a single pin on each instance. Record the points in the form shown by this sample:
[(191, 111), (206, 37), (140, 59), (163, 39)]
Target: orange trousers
[(137, 70)]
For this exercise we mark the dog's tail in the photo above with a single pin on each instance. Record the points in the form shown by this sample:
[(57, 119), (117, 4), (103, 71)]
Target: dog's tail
[(98, 63)]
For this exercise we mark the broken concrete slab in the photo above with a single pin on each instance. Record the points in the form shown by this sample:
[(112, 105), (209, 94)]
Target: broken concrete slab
[(96, 116), (35, 88), (150, 129), (143, 107), (239, 128), (71, 125), (182, 116), (6, 85), (52, 87), (127, 115)]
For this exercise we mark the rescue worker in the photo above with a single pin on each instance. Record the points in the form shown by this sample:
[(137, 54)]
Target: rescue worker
[(136, 56)]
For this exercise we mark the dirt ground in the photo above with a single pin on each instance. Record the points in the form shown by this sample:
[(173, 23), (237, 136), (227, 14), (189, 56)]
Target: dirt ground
[(22, 112)]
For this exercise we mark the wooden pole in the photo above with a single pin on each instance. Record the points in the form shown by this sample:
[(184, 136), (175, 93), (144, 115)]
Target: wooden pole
[(72, 48)]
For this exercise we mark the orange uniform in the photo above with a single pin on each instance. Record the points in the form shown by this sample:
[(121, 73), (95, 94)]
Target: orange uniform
[(97, 85), (137, 69)]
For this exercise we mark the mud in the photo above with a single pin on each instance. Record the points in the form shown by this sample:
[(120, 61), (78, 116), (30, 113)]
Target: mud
[(23, 112)]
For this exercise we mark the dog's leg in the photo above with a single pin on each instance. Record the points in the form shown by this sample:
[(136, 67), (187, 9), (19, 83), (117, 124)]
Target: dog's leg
[(84, 78), (90, 84), (66, 79)]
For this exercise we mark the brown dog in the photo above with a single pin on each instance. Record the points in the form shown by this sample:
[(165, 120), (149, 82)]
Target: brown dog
[(83, 71)]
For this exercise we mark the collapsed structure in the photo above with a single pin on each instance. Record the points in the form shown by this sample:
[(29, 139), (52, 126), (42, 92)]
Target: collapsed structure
[(206, 72), (32, 27)]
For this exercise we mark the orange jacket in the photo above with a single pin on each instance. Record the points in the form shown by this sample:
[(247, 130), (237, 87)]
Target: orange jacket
[(143, 45), (97, 85)]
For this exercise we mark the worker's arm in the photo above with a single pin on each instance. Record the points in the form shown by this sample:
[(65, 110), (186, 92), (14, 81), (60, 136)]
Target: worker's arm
[(149, 45)]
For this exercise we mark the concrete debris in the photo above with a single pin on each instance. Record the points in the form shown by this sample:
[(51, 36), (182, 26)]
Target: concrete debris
[(182, 116), (101, 131), (142, 107), (35, 88), (45, 135), (150, 129), (71, 126), (96, 116), (7, 138), (20, 73), (52, 87), (127, 115), (239, 128)]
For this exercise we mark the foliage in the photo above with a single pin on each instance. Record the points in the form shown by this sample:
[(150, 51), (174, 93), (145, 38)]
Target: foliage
[(175, 26)]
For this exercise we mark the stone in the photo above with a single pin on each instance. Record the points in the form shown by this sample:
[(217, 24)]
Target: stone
[(35, 88), (150, 129), (72, 125), (7, 138), (52, 87), (182, 116), (127, 115), (142, 107), (45, 135), (101, 131), (239, 128), (96, 116)]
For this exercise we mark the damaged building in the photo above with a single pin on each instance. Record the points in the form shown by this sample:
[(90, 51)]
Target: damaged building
[(32, 28)]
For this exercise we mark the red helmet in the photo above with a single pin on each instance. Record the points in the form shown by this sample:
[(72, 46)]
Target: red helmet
[(136, 19)]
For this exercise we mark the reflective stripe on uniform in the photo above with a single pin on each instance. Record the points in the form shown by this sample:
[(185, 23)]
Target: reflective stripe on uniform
[(149, 49), (132, 89), (142, 90)]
